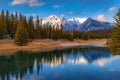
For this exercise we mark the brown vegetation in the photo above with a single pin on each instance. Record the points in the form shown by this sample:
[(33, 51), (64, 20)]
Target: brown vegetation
[(8, 46)]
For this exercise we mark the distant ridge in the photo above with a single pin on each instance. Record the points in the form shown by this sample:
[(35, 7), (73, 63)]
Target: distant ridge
[(76, 23)]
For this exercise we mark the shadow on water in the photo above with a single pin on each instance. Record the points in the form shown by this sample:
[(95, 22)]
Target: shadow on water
[(24, 63)]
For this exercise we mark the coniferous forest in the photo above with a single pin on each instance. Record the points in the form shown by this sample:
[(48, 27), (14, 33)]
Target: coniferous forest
[(18, 27), (115, 38)]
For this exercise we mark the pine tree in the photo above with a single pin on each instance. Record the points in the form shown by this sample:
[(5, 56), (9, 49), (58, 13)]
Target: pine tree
[(115, 39), (7, 20), (25, 22), (50, 32), (31, 28), (12, 28), (14, 23), (68, 36), (3, 27), (38, 28), (44, 32), (21, 36)]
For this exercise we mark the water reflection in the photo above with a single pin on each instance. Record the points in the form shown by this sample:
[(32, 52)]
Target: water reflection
[(95, 63), (115, 51)]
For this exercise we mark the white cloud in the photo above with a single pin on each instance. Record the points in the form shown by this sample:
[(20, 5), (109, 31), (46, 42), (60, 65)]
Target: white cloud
[(56, 6), (101, 17), (112, 9), (15, 2), (29, 2)]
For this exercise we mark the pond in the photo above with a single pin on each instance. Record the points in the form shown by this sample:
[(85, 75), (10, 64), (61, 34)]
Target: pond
[(82, 63)]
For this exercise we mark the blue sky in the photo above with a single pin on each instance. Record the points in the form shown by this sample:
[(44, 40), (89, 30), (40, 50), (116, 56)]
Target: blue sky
[(103, 10)]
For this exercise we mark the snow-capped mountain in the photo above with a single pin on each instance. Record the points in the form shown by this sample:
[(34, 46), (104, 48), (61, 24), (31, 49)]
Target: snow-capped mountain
[(79, 24), (92, 24), (52, 21)]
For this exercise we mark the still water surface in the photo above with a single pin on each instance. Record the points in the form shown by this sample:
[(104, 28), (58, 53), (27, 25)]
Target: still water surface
[(89, 63)]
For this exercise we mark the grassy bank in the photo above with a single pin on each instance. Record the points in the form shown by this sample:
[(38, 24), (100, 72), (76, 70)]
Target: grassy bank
[(8, 46)]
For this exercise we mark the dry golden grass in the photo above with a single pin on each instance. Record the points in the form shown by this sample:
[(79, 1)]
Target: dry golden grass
[(8, 46)]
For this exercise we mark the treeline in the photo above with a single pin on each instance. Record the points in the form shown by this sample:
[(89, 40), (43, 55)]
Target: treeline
[(10, 22), (96, 34), (115, 38)]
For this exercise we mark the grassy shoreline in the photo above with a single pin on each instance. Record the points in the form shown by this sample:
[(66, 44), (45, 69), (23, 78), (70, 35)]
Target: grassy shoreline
[(8, 47)]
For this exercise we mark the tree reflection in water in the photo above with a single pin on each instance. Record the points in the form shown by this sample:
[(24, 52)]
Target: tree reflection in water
[(115, 51), (23, 62)]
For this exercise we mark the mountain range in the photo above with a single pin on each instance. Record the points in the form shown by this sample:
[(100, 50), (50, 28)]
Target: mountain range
[(80, 24)]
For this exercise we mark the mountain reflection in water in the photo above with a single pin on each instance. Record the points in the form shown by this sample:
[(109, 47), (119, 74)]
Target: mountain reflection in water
[(69, 64)]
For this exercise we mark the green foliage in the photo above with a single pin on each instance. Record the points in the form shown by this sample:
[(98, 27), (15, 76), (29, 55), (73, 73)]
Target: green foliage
[(115, 39), (38, 28), (21, 36), (115, 51), (31, 28), (7, 21), (3, 26), (13, 24), (69, 36)]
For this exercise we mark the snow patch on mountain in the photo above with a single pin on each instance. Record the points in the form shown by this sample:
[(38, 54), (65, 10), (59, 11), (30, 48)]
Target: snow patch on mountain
[(52, 20), (76, 23), (77, 20)]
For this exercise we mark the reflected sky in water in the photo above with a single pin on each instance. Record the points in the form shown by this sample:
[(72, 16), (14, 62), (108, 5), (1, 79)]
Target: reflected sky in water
[(93, 63)]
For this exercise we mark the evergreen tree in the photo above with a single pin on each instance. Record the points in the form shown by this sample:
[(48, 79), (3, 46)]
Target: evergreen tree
[(38, 28), (46, 32), (14, 23), (7, 20), (68, 36), (50, 33), (3, 27), (115, 40), (12, 29), (21, 36), (31, 28), (25, 22)]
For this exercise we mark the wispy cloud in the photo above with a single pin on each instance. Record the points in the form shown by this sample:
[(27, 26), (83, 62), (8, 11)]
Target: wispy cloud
[(101, 17), (112, 9), (56, 6), (29, 2)]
